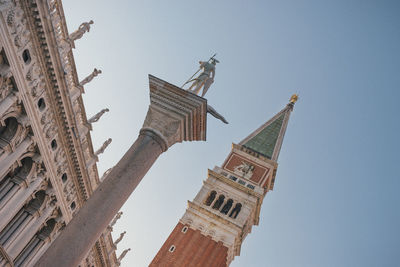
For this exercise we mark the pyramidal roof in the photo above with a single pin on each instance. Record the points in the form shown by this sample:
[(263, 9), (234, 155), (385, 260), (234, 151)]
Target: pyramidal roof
[(267, 139)]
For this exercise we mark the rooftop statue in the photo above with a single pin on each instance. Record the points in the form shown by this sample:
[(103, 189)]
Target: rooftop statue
[(103, 147), (123, 254), (96, 117), (117, 216), (90, 77), (84, 27), (119, 238)]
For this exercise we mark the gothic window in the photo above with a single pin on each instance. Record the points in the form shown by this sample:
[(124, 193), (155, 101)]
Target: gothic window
[(227, 206), (46, 231), (35, 244), (210, 198), (235, 211), (219, 202), (21, 173), (35, 204), (73, 205), (7, 132)]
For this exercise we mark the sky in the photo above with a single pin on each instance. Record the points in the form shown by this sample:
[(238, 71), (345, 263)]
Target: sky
[(335, 201)]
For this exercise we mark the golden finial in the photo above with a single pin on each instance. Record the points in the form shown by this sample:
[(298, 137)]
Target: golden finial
[(294, 98)]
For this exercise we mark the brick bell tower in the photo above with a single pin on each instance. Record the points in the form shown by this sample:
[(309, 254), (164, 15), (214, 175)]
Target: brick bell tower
[(216, 222)]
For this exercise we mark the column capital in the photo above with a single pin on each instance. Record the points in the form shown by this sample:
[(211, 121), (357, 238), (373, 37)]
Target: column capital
[(174, 114)]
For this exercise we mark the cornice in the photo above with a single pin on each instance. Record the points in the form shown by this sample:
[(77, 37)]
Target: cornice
[(236, 185)]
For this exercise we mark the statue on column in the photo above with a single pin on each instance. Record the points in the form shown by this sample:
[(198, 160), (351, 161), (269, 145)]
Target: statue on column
[(205, 79), (90, 77), (103, 147), (117, 216), (119, 238), (96, 117), (84, 27)]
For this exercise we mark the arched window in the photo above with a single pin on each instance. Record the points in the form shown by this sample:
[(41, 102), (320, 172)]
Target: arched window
[(7, 132), (219, 202), (46, 231), (210, 198), (21, 173), (235, 211), (35, 204), (227, 206)]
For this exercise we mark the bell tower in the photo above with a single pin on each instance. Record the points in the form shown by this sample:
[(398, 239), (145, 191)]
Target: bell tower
[(216, 222)]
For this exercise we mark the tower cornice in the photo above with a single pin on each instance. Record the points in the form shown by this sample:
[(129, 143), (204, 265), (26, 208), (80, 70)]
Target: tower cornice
[(233, 184)]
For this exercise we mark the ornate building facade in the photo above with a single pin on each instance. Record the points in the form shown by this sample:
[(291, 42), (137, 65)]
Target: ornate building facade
[(216, 222), (47, 162)]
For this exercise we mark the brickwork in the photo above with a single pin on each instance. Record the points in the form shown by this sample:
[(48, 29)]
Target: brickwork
[(192, 248)]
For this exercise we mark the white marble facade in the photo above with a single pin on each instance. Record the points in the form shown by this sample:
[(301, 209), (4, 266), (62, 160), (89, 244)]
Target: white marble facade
[(45, 142)]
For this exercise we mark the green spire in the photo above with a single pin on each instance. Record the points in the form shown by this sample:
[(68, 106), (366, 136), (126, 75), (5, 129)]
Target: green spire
[(267, 140)]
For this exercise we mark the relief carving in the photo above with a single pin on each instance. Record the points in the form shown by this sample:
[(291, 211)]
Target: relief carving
[(21, 39), (166, 126), (69, 191), (33, 73), (46, 118), (60, 156), (37, 86), (51, 131)]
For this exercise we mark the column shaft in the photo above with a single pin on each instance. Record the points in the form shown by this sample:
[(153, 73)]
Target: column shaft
[(85, 228)]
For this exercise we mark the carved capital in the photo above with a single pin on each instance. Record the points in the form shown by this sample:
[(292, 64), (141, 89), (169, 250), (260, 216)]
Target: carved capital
[(174, 115)]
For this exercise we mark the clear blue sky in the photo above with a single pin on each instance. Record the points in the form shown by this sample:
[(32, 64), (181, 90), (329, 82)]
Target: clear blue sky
[(336, 200)]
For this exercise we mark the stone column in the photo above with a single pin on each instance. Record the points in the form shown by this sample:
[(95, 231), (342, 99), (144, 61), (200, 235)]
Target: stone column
[(174, 115)]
